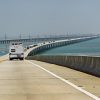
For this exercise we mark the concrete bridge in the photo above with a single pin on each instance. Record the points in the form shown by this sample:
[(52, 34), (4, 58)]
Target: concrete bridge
[(86, 64), (7, 41), (25, 40), (36, 80), (40, 39), (52, 44)]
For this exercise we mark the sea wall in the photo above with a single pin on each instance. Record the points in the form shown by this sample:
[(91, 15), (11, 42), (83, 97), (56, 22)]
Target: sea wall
[(90, 65)]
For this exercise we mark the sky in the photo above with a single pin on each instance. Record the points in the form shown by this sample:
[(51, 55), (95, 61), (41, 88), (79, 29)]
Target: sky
[(49, 17)]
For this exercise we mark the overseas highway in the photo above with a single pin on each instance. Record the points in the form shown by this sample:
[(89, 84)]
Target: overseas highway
[(36, 80)]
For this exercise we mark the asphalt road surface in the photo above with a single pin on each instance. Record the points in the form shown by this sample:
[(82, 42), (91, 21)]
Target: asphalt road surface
[(34, 80)]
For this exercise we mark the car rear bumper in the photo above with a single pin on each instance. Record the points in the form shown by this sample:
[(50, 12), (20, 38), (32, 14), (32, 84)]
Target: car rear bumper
[(16, 56)]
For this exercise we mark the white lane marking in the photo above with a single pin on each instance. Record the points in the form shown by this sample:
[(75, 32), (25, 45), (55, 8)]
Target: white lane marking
[(66, 81)]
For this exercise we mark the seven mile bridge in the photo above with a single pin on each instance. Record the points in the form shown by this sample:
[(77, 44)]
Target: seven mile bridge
[(35, 79)]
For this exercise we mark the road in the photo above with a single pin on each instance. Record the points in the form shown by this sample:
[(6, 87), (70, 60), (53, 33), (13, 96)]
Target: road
[(34, 80)]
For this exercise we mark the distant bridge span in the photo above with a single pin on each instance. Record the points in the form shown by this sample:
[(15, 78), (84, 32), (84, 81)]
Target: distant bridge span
[(58, 43), (40, 39), (7, 41)]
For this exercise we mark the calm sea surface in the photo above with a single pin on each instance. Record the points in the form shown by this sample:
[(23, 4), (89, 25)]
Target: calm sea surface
[(91, 47)]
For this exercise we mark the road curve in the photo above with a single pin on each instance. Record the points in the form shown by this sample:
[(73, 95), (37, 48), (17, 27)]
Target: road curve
[(21, 80)]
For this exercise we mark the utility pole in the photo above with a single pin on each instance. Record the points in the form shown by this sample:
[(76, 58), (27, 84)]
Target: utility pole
[(29, 39), (29, 36), (5, 36), (5, 40), (20, 36)]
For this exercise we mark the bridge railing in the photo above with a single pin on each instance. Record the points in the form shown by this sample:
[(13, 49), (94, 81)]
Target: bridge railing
[(87, 64)]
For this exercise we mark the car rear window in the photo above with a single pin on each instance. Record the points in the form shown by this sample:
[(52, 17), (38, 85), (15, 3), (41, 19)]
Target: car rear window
[(12, 50)]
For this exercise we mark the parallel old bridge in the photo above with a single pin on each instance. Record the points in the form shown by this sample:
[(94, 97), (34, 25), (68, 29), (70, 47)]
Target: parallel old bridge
[(38, 39), (36, 80), (7, 41)]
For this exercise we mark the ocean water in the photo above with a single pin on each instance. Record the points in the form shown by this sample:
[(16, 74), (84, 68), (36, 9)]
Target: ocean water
[(4, 48), (91, 48)]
